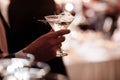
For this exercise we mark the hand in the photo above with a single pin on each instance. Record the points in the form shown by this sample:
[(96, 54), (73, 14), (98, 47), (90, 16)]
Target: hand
[(44, 47)]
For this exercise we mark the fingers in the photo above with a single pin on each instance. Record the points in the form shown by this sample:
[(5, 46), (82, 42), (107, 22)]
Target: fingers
[(57, 47), (57, 41), (58, 33), (61, 32)]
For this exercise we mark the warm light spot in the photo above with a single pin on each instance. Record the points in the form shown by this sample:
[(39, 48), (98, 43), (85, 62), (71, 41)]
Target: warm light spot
[(86, 1), (107, 24), (69, 7)]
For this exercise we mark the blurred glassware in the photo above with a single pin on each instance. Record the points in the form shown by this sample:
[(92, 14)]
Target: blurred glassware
[(36, 71), (22, 69)]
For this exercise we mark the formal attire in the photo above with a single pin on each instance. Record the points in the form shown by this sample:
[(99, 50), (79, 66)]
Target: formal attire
[(23, 26)]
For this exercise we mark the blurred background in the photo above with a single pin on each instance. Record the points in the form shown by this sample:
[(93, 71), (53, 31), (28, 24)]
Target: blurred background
[(94, 42)]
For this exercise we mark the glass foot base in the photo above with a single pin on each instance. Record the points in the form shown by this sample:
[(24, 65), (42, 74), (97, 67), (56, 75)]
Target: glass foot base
[(61, 54)]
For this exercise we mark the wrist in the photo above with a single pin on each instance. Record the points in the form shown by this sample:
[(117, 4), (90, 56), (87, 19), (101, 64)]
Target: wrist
[(24, 55)]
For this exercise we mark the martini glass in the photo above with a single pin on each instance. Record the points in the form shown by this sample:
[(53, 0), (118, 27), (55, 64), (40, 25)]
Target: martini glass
[(58, 22)]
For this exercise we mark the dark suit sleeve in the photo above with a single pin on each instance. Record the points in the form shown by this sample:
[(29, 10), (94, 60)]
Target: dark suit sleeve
[(10, 56), (1, 51)]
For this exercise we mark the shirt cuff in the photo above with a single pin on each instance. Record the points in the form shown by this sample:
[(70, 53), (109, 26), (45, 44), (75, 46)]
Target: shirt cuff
[(21, 54)]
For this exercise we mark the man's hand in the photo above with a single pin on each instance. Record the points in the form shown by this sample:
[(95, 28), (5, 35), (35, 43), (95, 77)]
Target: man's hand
[(44, 47)]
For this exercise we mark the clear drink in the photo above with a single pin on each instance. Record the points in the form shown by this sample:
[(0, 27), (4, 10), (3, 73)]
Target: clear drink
[(59, 22), (56, 23)]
